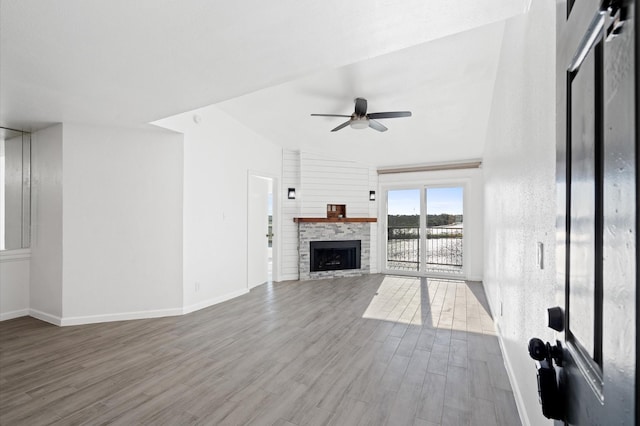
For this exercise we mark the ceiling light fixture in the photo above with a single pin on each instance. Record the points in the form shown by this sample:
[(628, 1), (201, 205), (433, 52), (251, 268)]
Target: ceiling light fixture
[(359, 123)]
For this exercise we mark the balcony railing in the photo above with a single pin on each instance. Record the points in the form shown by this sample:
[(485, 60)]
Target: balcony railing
[(444, 249)]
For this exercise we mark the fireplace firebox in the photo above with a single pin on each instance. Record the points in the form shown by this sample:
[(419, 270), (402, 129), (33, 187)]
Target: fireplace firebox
[(334, 255)]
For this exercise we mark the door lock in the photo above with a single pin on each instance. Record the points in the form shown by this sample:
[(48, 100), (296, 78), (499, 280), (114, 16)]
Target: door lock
[(556, 318), (546, 354), (541, 351), (548, 390)]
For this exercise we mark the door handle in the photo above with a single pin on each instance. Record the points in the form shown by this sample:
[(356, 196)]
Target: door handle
[(541, 351), (546, 354), (548, 391)]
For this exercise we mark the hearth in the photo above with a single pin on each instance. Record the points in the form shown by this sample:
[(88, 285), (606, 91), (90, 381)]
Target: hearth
[(334, 255)]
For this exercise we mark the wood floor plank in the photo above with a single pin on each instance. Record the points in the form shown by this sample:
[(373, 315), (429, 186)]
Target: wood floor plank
[(439, 359), (368, 350), (404, 408), (505, 405), (431, 403), (456, 392)]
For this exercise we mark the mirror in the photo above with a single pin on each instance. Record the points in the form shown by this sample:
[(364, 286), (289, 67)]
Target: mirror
[(15, 189)]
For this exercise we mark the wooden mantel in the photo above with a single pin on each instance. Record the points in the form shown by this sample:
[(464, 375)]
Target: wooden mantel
[(333, 219)]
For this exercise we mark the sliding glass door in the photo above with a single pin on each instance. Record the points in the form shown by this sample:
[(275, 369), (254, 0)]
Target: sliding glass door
[(403, 230), (444, 230), (425, 230)]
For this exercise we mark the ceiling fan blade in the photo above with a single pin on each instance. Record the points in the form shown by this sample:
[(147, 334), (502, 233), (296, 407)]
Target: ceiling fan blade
[(377, 126), (345, 124), (330, 115), (393, 114), (361, 107)]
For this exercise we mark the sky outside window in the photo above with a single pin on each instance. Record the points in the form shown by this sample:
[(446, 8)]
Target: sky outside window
[(439, 200), (444, 200)]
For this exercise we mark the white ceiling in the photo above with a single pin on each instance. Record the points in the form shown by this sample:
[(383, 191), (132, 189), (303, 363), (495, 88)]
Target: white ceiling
[(447, 84), (268, 64)]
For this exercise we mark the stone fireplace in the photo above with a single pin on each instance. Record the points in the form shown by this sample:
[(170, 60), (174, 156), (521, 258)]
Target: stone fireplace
[(343, 246)]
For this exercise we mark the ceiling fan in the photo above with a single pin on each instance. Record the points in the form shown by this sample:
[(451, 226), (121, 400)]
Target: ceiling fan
[(361, 120)]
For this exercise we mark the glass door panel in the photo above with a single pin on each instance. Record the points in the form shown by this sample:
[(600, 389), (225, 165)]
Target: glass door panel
[(444, 233), (403, 230)]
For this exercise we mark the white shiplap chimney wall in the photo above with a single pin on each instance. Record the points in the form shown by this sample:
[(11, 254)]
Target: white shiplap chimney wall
[(320, 181)]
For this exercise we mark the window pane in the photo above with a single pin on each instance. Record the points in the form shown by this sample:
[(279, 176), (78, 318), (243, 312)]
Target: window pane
[(14, 189), (444, 230), (403, 230)]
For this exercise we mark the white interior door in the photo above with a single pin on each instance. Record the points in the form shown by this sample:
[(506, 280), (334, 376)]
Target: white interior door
[(258, 230)]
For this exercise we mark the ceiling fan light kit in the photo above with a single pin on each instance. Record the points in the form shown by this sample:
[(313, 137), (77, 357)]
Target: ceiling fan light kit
[(359, 123), (361, 120)]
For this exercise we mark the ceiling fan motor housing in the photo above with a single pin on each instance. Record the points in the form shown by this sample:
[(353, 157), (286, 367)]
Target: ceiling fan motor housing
[(361, 107), (361, 120)]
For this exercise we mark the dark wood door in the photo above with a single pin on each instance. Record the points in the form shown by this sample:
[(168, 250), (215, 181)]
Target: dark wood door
[(597, 157)]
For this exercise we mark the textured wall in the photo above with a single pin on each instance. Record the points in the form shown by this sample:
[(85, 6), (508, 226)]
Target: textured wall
[(519, 173)]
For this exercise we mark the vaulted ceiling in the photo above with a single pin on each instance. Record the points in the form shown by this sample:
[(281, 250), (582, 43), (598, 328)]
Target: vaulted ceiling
[(267, 64)]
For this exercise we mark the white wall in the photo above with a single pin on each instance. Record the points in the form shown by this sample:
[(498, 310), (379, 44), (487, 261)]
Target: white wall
[(333, 181), (14, 283), (472, 181), (117, 194), (46, 224), (122, 221), (519, 173), (320, 181), (290, 209), (218, 153), (143, 220)]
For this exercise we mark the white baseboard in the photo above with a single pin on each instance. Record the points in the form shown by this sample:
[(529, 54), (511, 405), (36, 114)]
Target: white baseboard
[(14, 314), (522, 408), (43, 316), (124, 316), (517, 394), (214, 301)]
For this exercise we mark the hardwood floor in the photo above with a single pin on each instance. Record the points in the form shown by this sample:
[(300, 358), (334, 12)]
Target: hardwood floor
[(369, 350)]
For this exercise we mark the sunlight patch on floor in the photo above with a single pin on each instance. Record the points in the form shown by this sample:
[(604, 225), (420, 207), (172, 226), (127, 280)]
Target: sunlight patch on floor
[(438, 303), (398, 299)]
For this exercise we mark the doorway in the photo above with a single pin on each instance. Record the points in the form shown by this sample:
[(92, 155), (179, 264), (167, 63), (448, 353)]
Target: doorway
[(425, 230), (260, 230)]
